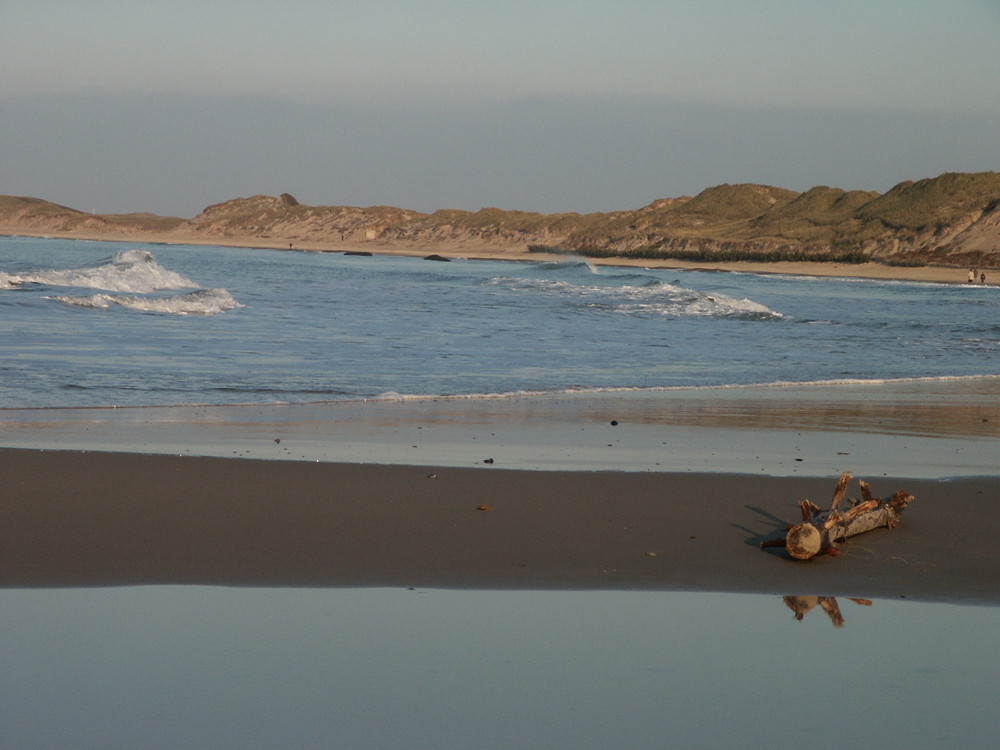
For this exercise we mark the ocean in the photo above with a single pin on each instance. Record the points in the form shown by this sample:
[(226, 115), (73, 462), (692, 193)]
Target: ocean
[(113, 324)]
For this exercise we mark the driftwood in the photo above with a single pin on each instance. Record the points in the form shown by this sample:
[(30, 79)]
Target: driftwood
[(822, 531)]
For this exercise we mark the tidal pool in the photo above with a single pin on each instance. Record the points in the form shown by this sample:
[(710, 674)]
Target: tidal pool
[(214, 667)]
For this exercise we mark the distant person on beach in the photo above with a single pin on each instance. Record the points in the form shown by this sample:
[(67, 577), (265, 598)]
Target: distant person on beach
[(982, 278), (972, 275)]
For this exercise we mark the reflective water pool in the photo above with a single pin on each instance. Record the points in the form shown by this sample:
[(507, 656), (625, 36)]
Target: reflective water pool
[(193, 667)]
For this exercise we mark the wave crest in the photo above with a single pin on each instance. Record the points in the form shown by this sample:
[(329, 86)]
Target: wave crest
[(650, 298), (201, 302), (132, 279), (130, 271)]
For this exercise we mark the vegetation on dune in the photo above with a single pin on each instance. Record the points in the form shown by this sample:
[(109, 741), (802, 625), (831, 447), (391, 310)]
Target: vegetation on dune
[(813, 216), (954, 218), (513, 222), (934, 203), (720, 254), (726, 203), (950, 219), (11, 202), (146, 222), (34, 211)]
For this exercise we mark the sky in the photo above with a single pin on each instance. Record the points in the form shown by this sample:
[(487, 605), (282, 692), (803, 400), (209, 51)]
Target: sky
[(115, 106)]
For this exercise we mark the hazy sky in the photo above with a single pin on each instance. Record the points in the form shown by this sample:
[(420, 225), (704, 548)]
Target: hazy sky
[(120, 106)]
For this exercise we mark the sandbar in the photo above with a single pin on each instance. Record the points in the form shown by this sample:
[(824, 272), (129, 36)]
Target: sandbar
[(75, 518)]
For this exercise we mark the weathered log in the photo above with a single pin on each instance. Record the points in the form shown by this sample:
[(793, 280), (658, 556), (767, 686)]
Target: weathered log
[(823, 531)]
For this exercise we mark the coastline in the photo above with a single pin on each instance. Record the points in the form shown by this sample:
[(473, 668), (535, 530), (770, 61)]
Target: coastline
[(231, 496), (878, 271), (653, 491)]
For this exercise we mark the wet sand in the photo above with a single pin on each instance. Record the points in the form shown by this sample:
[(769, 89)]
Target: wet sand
[(100, 519), (928, 429), (648, 490)]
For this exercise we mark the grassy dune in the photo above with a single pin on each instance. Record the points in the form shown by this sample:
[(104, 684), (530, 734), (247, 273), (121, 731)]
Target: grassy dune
[(952, 220)]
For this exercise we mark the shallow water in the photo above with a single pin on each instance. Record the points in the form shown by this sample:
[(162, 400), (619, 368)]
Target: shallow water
[(168, 667), (927, 429), (347, 358)]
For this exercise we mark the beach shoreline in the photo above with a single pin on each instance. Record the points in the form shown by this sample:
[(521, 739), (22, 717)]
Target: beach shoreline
[(85, 519), (877, 271), (632, 490), (668, 491), (933, 429)]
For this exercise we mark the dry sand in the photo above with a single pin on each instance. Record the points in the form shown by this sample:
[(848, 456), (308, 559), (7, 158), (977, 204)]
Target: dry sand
[(99, 519)]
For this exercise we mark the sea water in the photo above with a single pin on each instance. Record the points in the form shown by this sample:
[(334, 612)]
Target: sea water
[(111, 324)]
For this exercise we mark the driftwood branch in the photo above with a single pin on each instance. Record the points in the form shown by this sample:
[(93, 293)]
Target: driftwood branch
[(823, 531)]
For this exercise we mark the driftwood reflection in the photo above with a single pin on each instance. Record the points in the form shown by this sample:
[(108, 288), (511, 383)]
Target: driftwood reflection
[(803, 605)]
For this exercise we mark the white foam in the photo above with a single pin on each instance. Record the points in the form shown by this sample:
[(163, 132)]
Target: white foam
[(134, 271), (988, 381), (778, 384), (201, 302), (664, 300)]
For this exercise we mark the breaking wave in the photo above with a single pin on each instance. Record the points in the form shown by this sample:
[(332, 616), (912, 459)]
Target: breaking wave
[(131, 279), (201, 302), (649, 298), (133, 271), (985, 383)]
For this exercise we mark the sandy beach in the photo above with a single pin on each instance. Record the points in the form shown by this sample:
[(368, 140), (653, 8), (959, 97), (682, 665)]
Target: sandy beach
[(927, 274)]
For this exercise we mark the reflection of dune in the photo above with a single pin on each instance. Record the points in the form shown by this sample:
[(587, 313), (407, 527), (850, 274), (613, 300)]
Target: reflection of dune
[(960, 408), (803, 605), (893, 418), (822, 429)]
